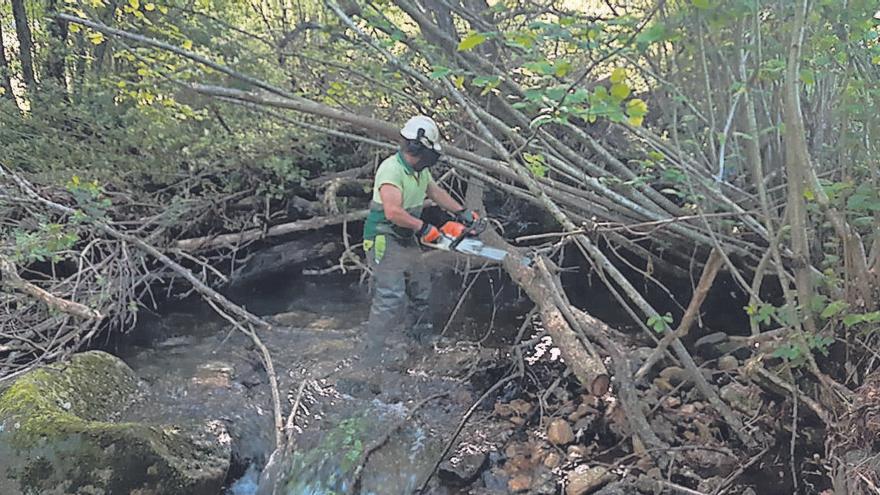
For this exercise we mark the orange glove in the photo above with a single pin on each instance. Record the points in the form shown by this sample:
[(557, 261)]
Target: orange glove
[(428, 233)]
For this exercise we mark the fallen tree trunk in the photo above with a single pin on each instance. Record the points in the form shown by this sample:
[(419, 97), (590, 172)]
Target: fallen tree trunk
[(236, 239)]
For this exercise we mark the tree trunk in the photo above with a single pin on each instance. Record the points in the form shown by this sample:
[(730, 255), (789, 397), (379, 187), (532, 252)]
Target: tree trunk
[(5, 74), (57, 45), (797, 160), (25, 44)]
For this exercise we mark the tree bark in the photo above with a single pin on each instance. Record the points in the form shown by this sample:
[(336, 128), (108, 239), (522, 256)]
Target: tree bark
[(57, 45), (797, 160), (5, 73), (25, 44)]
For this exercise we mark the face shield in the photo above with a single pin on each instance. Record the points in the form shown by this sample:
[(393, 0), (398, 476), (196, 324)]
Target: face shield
[(425, 150)]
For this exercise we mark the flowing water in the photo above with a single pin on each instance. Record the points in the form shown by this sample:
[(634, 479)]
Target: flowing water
[(198, 369)]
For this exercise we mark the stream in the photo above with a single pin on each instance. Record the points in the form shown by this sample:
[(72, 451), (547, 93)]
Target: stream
[(198, 369)]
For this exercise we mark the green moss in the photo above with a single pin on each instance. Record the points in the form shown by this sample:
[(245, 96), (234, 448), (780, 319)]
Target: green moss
[(76, 397), (58, 435)]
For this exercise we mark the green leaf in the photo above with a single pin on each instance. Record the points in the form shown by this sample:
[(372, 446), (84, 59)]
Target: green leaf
[(540, 67), (852, 319), (439, 72), (579, 96), (620, 91), (807, 76), (788, 351), (652, 34), (809, 195), (834, 309), (481, 81), (636, 108), (702, 4), (561, 69), (96, 38), (618, 75), (472, 41)]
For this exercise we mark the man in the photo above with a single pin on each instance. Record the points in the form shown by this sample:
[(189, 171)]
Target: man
[(393, 230)]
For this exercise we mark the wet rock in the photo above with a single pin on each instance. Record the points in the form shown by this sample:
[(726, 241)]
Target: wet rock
[(215, 374), (519, 483), (746, 399), (688, 409), (663, 385), (625, 487), (59, 433), (583, 481), (728, 363), (503, 410), (559, 432), (522, 407), (464, 470), (708, 346), (543, 483), (495, 479), (674, 375), (552, 460), (581, 411), (577, 452)]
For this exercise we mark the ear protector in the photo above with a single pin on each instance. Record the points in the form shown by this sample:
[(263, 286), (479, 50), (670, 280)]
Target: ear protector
[(427, 156)]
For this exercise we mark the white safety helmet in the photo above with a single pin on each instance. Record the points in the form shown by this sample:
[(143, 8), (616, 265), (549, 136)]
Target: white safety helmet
[(429, 135)]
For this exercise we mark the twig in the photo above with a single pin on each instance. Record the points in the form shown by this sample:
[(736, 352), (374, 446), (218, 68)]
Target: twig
[(12, 279), (464, 421), (727, 483), (461, 299), (288, 426), (710, 271), (378, 443)]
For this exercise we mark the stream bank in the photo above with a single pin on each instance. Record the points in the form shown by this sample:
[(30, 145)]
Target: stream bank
[(363, 430)]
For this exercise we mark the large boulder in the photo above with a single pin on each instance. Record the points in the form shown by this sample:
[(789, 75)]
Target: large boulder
[(60, 432)]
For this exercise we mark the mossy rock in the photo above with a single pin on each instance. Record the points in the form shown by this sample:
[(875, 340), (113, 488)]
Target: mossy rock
[(60, 433)]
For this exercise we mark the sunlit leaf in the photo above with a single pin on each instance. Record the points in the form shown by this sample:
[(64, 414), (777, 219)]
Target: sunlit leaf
[(471, 42), (96, 37), (620, 91), (636, 108)]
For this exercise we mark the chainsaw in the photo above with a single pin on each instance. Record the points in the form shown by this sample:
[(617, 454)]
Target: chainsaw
[(455, 236)]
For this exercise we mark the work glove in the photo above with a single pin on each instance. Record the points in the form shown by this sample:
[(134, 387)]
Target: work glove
[(428, 233), (467, 217)]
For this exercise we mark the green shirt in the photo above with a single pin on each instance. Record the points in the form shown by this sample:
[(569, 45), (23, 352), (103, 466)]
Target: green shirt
[(413, 187)]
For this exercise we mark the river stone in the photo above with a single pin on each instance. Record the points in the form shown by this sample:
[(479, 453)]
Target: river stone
[(559, 432), (463, 470), (60, 433), (583, 481), (519, 483), (746, 399), (728, 363), (674, 374)]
